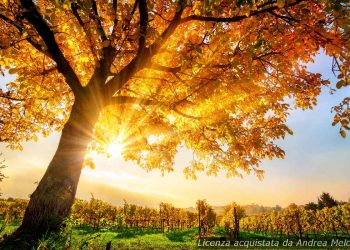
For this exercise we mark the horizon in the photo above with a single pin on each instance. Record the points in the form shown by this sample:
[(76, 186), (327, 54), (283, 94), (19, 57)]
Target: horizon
[(188, 207)]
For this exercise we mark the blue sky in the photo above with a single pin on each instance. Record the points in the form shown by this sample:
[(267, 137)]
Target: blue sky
[(317, 160)]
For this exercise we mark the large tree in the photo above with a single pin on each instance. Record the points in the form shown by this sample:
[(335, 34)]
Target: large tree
[(216, 76)]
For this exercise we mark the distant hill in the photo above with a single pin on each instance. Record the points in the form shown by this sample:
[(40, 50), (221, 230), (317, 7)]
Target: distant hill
[(249, 209), (254, 209)]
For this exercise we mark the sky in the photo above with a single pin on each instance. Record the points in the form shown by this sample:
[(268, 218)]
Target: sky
[(317, 160)]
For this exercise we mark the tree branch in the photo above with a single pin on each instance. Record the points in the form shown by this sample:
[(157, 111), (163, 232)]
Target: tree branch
[(28, 39), (7, 95), (186, 115), (63, 66), (143, 101), (260, 10), (225, 19), (75, 7), (141, 59), (115, 20), (97, 18), (143, 25), (176, 21), (133, 100), (164, 68)]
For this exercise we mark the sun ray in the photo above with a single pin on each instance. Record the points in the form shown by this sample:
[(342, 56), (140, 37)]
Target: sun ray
[(115, 148)]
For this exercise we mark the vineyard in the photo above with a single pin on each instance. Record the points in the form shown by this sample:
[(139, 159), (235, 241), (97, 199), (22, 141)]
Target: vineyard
[(301, 223), (96, 216), (96, 213)]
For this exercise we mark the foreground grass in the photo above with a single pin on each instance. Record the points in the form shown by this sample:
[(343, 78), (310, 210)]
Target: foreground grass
[(83, 239), (86, 238)]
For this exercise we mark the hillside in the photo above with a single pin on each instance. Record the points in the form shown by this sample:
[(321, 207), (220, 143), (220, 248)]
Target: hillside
[(249, 209)]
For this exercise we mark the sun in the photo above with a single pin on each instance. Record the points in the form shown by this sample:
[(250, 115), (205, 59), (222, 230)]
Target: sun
[(115, 149)]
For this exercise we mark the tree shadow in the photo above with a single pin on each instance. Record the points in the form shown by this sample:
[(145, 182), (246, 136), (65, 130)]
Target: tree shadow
[(181, 236), (84, 230), (132, 233)]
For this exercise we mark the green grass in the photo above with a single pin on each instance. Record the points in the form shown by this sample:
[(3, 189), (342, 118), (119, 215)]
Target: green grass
[(122, 239), (87, 238), (9, 228)]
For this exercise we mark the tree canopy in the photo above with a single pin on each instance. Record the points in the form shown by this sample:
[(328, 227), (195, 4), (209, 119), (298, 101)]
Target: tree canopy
[(219, 77), (326, 200)]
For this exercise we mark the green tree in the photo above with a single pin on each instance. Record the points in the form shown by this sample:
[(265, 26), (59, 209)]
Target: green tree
[(326, 200), (311, 206)]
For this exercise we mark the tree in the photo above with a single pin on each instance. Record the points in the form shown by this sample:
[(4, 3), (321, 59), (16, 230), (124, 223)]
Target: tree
[(201, 209), (230, 221), (326, 200), (153, 75), (311, 206), (206, 218), (300, 222)]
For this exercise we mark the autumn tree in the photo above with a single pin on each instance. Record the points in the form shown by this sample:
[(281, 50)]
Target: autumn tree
[(216, 76), (201, 208), (299, 222), (231, 219), (206, 217)]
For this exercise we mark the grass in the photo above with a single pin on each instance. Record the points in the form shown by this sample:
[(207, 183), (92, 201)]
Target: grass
[(137, 240), (84, 238), (87, 238), (9, 228)]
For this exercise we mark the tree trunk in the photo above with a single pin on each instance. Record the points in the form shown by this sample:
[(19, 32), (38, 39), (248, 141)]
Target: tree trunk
[(199, 222), (53, 198)]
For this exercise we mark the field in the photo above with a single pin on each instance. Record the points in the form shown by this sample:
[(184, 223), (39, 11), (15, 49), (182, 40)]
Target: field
[(79, 238), (89, 238), (96, 224)]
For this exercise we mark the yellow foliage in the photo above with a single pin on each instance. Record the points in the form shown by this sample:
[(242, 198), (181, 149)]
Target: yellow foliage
[(214, 78)]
